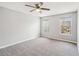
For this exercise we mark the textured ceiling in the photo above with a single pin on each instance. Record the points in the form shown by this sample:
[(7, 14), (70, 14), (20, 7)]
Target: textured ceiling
[(56, 7)]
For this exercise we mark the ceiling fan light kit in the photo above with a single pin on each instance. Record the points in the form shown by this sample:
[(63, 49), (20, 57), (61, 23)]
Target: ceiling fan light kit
[(38, 10)]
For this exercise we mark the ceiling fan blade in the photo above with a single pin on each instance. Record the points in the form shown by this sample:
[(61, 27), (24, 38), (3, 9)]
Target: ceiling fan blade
[(41, 3), (30, 6), (32, 10), (44, 8)]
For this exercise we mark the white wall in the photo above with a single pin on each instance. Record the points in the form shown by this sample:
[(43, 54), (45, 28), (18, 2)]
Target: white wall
[(16, 27), (78, 29), (53, 30)]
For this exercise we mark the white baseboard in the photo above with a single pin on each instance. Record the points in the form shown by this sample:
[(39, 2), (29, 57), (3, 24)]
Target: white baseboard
[(61, 40), (17, 42)]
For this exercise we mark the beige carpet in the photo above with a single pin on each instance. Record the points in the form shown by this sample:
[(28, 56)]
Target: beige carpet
[(41, 47)]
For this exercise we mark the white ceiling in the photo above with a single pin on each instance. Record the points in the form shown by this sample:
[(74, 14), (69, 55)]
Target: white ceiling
[(55, 7)]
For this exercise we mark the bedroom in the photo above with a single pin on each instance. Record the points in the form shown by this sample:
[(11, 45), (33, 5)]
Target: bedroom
[(41, 32)]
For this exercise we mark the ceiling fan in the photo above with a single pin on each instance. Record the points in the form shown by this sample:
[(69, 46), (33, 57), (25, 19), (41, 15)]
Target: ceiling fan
[(38, 7)]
